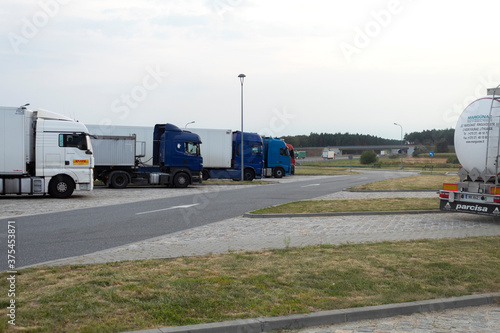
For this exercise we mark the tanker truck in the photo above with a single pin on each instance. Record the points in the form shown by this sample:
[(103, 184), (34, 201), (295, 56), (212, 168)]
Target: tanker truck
[(477, 145)]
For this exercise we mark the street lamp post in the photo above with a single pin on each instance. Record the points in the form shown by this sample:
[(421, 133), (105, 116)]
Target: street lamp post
[(191, 122), (401, 144), (242, 78)]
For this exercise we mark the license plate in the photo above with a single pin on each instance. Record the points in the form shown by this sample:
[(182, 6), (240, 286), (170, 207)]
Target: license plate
[(473, 197)]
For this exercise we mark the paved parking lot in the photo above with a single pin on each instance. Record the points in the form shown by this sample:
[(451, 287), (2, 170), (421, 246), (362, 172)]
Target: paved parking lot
[(14, 206)]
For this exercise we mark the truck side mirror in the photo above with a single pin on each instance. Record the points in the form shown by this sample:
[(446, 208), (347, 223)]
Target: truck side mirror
[(88, 152)]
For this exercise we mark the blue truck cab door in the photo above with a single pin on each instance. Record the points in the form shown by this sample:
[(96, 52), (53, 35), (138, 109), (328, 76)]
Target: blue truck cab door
[(175, 148)]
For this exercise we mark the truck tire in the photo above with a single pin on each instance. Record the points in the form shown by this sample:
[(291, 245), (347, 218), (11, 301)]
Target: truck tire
[(249, 174), (119, 180), (181, 180), (279, 172), (205, 174), (61, 187)]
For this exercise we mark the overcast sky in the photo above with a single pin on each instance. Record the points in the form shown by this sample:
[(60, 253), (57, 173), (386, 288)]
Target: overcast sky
[(310, 66)]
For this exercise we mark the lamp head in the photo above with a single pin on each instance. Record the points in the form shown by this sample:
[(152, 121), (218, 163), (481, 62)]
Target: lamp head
[(242, 77)]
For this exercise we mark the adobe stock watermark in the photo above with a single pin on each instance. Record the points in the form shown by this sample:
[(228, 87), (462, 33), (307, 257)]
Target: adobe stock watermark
[(278, 122), (12, 273), (451, 115), (363, 36), (220, 7), (31, 26), (123, 105)]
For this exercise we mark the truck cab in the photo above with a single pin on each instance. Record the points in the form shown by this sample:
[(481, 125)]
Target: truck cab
[(68, 163), (43, 152), (177, 153), (253, 157), (277, 161)]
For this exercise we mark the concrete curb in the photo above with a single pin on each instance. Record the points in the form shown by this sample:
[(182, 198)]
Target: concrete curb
[(258, 325), (402, 212)]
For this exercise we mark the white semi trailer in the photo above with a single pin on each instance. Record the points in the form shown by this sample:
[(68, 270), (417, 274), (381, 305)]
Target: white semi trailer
[(477, 145), (43, 152)]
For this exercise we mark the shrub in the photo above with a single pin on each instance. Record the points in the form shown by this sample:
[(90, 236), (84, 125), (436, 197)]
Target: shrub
[(452, 160), (368, 157)]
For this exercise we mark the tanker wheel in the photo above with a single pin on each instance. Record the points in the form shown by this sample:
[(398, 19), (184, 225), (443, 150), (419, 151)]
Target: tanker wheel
[(205, 174), (249, 174), (119, 180), (61, 187), (279, 172), (181, 180)]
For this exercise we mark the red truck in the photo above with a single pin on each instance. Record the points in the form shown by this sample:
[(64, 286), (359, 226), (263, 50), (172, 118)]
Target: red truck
[(292, 157)]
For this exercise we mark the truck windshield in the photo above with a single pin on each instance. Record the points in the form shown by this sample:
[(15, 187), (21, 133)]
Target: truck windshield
[(76, 140), (256, 149), (192, 148)]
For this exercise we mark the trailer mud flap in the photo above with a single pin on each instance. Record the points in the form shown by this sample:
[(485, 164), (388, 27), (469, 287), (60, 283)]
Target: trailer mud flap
[(475, 208)]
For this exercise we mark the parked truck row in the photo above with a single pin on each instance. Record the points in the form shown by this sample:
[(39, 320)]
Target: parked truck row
[(42, 152), (221, 150)]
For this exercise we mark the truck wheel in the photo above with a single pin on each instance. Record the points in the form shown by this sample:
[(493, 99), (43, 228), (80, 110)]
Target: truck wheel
[(279, 172), (119, 180), (249, 174), (181, 180), (61, 187), (205, 174)]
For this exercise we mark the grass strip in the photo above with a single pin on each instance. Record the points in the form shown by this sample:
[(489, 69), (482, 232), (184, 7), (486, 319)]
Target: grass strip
[(420, 182), (352, 205), (154, 293)]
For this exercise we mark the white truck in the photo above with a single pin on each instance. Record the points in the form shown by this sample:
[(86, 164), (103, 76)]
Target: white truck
[(43, 152), (477, 145), (328, 154)]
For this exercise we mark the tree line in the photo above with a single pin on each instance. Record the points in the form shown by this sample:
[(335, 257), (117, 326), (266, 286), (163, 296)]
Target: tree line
[(426, 137), (431, 137), (337, 139)]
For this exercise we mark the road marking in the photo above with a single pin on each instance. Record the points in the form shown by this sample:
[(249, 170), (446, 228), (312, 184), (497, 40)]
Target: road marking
[(310, 185), (160, 210)]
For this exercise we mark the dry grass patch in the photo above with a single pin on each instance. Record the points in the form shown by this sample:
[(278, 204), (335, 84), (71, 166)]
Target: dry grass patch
[(421, 182), (352, 205)]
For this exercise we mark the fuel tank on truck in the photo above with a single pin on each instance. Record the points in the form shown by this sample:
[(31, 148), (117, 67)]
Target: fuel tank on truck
[(477, 138)]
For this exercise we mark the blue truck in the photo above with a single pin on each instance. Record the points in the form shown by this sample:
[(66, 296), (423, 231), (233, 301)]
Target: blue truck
[(277, 161), (176, 158), (221, 151)]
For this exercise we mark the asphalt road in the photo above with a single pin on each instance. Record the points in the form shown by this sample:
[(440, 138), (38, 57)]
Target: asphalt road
[(41, 238)]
